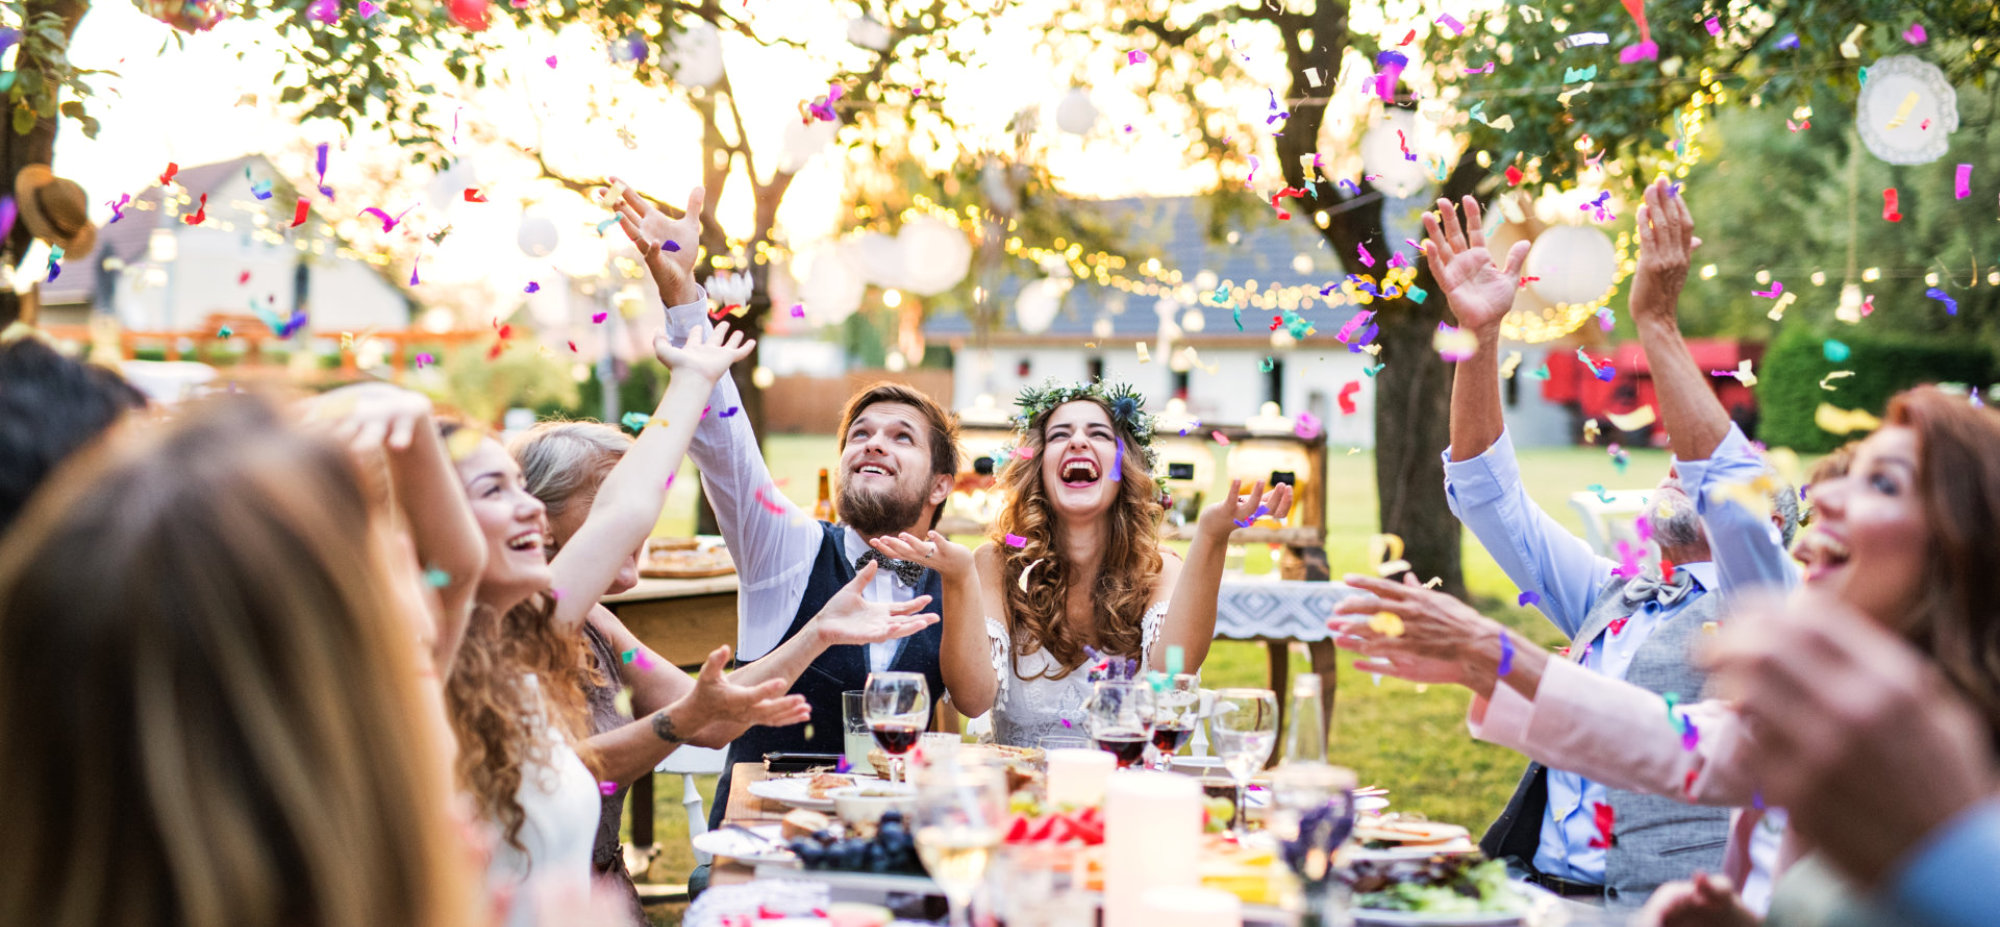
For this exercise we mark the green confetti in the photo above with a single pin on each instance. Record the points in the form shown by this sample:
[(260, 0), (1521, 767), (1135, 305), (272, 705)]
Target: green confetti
[(1268, 363), (1417, 294), (1176, 659), (1572, 75), (634, 420), (629, 655), (436, 578)]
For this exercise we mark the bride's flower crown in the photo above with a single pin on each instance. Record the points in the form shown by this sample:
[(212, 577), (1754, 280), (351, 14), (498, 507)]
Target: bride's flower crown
[(1128, 412)]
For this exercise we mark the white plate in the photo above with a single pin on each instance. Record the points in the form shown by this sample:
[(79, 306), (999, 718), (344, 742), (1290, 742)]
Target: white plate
[(792, 792), (736, 845), (1365, 803), (1421, 919)]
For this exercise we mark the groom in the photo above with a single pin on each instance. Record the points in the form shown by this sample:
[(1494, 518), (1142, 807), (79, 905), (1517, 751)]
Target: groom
[(898, 461)]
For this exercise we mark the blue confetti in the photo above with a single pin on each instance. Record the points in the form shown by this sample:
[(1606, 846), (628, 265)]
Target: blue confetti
[(1950, 305)]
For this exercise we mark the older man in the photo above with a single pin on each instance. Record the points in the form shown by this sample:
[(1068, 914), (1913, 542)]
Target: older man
[(1561, 830)]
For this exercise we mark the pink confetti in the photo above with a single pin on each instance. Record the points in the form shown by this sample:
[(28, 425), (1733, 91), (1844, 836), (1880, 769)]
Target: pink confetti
[(1915, 35), (1628, 560), (599, 318), (1118, 463), (413, 274), (607, 789), (1023, 452), (1487, 69), (551, 60), (1690, 735), (1714, 27), (1135, 56), (798, 310), (1964, 185), (768, 505), (1307, 427), (532, 287), (1219, 437), (1015, 540), (1367, 260), (425, 359), (1446, 20)]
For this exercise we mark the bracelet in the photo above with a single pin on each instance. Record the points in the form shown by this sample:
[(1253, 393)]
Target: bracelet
[(663, 728)]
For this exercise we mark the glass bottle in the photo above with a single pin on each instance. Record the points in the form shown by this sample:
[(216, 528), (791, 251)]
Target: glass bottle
[(1305, 729), (823, 509)]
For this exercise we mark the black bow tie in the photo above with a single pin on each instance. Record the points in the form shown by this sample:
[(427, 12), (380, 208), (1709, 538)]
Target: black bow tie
[(907, 571)]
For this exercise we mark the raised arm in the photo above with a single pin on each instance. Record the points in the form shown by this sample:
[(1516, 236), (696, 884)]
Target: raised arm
[(1479, 294), (969, 652), (847, 618), (1190, 621), (770, 540), (450, 550), (629, 500)]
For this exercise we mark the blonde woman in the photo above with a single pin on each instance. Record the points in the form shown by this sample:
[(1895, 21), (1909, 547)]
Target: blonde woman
[(1076, 565)]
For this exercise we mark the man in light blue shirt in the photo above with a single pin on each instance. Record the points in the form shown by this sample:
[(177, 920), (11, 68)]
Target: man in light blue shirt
[(1630, 622)]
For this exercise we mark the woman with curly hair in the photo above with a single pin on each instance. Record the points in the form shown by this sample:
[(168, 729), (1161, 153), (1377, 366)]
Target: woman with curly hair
[(1076, 565)]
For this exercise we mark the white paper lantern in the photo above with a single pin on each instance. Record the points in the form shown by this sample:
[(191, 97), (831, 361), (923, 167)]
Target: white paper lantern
[(936, 255), (803, 141), (882, 262), (1076, 114), (867, 33), (1906, 111), (1037, 305), (830, 283), (1576, 263), (1382, 153), (695, 56), (537, 237)]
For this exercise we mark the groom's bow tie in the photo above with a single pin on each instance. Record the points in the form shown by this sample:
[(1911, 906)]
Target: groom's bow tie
[(907, 571)]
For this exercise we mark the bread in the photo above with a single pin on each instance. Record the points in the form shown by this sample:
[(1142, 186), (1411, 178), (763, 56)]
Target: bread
[(822, 783), (802, 823)]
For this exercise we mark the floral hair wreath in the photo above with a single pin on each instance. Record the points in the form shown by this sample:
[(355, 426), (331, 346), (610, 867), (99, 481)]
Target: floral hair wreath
[(1128, 412)]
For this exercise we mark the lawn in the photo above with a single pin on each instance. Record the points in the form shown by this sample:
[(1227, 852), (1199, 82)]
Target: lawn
[(1410, 739)]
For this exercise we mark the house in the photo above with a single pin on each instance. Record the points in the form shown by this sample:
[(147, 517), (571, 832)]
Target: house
[(153, 271), (1237, 365)]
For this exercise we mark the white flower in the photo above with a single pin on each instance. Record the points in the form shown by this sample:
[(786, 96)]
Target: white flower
[(730, 289)]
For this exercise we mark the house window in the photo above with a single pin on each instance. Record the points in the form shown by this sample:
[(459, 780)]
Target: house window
[(1180, 390), (1096, 366), (1274, 382), (1513, 390)]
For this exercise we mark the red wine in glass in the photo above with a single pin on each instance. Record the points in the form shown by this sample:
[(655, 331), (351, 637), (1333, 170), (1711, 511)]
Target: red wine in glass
[(895, 737), (1128, 747), (1169, 740)]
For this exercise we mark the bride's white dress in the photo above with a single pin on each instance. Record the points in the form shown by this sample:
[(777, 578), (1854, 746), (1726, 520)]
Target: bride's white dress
[(1030, 705)]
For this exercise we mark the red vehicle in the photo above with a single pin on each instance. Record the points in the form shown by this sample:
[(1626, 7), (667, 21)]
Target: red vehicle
[(1576, 385)]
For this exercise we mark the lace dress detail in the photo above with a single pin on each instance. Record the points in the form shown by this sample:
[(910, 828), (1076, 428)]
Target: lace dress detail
[(1030, 706)]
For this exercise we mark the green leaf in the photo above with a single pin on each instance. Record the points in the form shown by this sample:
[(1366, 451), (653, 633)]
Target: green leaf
[(291, 94), (24, 119), (72, 109)]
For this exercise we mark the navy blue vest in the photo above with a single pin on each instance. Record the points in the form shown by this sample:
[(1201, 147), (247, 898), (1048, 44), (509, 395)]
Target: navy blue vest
[(839, 669)]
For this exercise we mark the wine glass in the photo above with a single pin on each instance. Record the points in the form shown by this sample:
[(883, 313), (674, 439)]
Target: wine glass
[(899, 708), (1121, 718), (1312, 815), (961, 818), (1244, 726), (1176, 710)]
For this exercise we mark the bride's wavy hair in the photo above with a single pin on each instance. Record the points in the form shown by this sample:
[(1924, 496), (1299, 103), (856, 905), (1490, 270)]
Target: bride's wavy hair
[(1124, 586)]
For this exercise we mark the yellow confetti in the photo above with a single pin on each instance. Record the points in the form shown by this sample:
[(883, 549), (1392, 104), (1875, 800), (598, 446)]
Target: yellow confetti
[(624, 701), (1434, 582), (1385, 547), (1754, 495), (1903, 111), (463, 442), (1387, 624), (1025, 573), (1144, 356), (1393, 567), (1590, 431), (1508, 366), (1832, 418), (1743, 374), (1851, 47), (1777, 313), (1634, 420), (1826, 382), (1710, 627)]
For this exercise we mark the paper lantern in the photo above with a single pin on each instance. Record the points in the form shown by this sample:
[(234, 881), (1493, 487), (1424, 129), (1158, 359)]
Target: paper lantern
[(695, 57), (830, 283), (936, 255), (471, 14), (1382, 153), (803, 141), (1576, 264), (1076, 114), (882, 262), (1906, 111), (869, 34), (537, 237), (1038, 303)]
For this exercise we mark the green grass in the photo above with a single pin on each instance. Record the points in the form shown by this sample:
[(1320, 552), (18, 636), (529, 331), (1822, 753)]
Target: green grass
[(1410, 739)]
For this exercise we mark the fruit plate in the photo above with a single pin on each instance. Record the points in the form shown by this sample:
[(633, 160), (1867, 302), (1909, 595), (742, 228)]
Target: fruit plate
[(745, 845), (795, 793), (848, 884)]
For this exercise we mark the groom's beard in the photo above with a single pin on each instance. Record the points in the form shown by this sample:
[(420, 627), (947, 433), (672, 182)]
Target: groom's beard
[(874, 513)]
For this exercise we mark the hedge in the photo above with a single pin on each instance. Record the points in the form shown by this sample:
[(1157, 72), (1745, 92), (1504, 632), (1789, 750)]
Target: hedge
[(1789, 391)]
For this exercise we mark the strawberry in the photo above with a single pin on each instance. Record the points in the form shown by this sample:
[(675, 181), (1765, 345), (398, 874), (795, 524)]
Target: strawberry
[(1018, 832)]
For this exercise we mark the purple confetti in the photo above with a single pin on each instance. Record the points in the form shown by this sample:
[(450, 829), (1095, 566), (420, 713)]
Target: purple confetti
[(1690, 735), (1950, 305), (607, 789), (532, 287), (671, 245), (732, 410), (320, 163), (1506, 654), (1757, 800), (1790, 41), (1529, 598), (118, 207), (8, 213), (1118, 463)]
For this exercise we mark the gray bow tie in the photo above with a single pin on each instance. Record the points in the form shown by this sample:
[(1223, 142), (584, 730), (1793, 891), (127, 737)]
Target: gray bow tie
[(907, 571), (1646, 587)]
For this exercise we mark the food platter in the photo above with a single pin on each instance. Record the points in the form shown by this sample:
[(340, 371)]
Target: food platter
[(758, 844)]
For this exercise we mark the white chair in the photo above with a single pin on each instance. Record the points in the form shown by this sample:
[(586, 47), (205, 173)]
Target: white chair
[(689, 761), (1605, 523)]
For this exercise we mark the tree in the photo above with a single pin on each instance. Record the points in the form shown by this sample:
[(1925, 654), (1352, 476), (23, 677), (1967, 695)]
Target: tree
[(1577, 110)]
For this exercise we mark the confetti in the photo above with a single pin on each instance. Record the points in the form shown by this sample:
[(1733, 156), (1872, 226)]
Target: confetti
[(118, 206), (732, 410), (1023, 582), (1267, 363), (1903, 110), (1962, 187), (1835, 351), (1634, 420), (167, 176), (1511, 364), (1346, 397), (319, 163), (1391, 65), (1015, 540), (1850, 47), (1367, 260), (1506, 655), (1950, 305), (1602, 495), (1777, 288), (1576, 75), (1647, 49), (200, 214), (607, 789), (1446, 20), (425, 359), (1789, 42), (1835, 420), (1605, 373), (634, 420), (1307, 427), (1385, 550), (224, 332), (1590, 431), (1605, 819), (798, 310), (1454, 344), (1529, 598), (769, 506), (1135, 56), (472, 195), (1513, 176), (1915, 34), (1387, 624), (532, 287), (598, 318), (1118, 463), (1219, 437), (1144, 357), (413, 272), (389, 222), (1582, 39)]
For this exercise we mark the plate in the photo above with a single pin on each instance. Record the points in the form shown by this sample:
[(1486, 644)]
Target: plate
[(1370, 803), (737, 845), (1425, 919), (791, 792)]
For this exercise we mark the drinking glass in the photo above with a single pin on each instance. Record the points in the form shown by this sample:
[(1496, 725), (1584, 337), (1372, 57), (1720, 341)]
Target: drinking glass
[(961, 818), (898, 708), (1244, 726), (1120, 715), (1312, 815), (854, 725), (1176, 711)]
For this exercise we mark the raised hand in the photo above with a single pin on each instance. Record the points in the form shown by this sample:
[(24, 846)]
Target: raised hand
[(1236, 510), (370, 416), (1666, 247), (718, 711), (1440, 639), (951, 560), (1704, 901), (708, 353), (1479, 293), (651, 230), (848, 618)]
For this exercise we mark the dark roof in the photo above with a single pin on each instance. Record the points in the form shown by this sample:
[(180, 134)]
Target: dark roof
[(128, 237), (1176, 229)]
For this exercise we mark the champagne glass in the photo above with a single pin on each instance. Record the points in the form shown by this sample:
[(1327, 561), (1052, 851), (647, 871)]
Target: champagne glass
[(899, 708), (1244, 726), (1176, 711), (961, 818), (1312, 816), (1121, 718)]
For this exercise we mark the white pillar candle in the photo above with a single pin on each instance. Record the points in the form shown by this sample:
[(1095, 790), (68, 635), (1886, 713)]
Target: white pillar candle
[(1152, 833), (1077, 775), (1189, 906)]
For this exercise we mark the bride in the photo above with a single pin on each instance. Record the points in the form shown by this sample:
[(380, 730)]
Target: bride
[(1074, 583)]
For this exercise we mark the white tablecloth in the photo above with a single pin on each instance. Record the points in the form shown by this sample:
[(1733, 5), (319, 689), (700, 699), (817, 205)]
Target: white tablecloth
[(1296, 609)]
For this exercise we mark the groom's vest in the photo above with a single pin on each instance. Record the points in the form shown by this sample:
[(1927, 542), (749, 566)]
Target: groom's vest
[(1654, 839), (839, 669)]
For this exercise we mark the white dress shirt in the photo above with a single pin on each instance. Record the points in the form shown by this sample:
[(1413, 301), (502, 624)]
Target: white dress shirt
[(773, 541)]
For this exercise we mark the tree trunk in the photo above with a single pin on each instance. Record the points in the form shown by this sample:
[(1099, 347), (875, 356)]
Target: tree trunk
[(18, 151), (1412, 427)]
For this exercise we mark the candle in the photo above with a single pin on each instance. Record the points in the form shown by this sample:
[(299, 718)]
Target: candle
[(1076, 776), (1189, 906), (1152, 832)]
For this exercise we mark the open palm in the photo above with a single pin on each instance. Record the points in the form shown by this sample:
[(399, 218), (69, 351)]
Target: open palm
[(1479, 293), (651, 230), (708, 353), (850, 619)]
